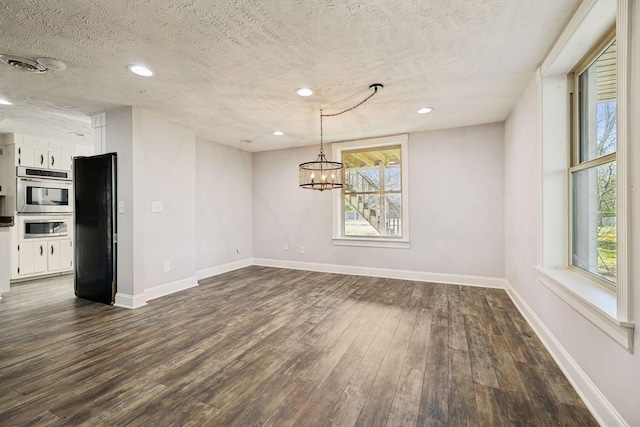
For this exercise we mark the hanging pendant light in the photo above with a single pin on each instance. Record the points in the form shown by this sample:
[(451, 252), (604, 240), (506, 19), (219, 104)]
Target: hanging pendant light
[(322, 174)]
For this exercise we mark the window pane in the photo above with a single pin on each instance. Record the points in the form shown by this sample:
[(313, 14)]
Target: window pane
[(598, 107), (361, 215), (372, 192), (373, 215), (594, 221)]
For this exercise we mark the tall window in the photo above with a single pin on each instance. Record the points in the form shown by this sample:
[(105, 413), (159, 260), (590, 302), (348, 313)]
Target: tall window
[(593, 166), (373, 207), (372, 193)]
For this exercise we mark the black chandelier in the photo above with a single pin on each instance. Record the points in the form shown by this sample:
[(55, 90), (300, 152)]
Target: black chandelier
[(322, 174)]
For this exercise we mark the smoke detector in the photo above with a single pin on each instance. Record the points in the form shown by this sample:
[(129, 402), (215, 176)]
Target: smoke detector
[(41, 65)]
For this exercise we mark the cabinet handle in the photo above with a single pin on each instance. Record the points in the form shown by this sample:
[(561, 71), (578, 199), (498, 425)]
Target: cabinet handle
[(41, 250), (51, 249), (41, 159), (52, 160)]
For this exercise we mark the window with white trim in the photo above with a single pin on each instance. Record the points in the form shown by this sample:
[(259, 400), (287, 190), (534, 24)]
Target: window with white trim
[(372, 208), (593, 170), (584, 257)]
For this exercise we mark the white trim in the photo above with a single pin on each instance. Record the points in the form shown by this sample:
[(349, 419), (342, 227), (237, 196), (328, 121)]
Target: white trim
[(419, 276), (224, 268), (130, 301), (590, 300), (602, 410), (170, 288), (592, 20), (378, 242), (623, 215)]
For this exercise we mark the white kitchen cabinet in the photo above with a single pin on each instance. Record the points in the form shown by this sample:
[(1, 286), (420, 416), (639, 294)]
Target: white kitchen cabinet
[(66, 161), (44, 257), (26, 156), (39, 257), (25, 258), (41, 159), (66, 254), (53, 255)]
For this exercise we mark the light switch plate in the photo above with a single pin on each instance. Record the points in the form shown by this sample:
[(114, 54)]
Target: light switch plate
[(121, 206), (156, 207)]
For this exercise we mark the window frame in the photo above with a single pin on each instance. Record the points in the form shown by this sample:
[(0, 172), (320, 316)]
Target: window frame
[(575, 165), (339, 238), (610, 311)]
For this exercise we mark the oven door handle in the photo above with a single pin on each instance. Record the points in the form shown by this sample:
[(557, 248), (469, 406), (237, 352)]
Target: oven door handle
[(40, 235), (61, 182)]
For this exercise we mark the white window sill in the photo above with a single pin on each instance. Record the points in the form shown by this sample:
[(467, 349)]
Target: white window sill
[(378, 242), (596, 304)]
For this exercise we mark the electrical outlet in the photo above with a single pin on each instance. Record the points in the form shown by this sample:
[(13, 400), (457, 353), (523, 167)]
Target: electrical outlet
[(166, 266), (156, 207), (121, 206), (238, 250), (286, 246), (301, 250)]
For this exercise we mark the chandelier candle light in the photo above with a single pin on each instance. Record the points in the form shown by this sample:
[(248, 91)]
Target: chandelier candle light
[(323, 174)]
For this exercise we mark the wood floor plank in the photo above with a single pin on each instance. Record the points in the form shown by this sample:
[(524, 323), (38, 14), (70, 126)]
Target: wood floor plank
[(548, 409), (378, 404), (434, 402), (481, 362), (270, 346), (406, 402), (488, 407), (417, 351)]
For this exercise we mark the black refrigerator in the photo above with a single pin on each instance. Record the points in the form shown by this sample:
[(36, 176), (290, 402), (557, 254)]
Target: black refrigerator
[(95, 227)]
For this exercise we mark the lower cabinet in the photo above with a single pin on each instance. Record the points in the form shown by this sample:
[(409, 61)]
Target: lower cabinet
[(45, 256)]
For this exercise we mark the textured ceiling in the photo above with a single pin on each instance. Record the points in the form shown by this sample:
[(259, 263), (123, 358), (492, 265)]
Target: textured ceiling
[(229, 69)]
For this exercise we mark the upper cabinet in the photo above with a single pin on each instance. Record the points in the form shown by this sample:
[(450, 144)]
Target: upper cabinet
[(41, 153)]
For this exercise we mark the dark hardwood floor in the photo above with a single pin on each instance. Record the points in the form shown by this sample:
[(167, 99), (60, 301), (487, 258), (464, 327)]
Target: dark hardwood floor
[(276, 347)]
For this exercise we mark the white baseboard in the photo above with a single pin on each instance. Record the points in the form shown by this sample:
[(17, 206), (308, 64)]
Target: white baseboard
[(169, 288), (602, 410), (130, 301), (224, 268), (419, 276)]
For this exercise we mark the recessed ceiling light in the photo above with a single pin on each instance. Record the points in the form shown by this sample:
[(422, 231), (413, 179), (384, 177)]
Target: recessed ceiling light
[(4, 102), (425, 110), (77, 134), (140, 70), (278, 132), (304, 91)]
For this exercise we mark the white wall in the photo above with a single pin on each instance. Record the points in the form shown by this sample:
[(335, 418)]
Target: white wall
[(170, 178), (156, 162), (223, 206), (120, 140), (613, 371), (456, 183)]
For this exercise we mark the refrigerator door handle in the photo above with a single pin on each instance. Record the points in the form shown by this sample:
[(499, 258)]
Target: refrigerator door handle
[(115, 238)]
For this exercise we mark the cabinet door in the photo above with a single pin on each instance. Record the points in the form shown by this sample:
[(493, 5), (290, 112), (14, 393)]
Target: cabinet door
[(66, 254), (26, 156), (66, 161), (54, 255), (39, 257), (41, 158), (58, 160), (25, 258)]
